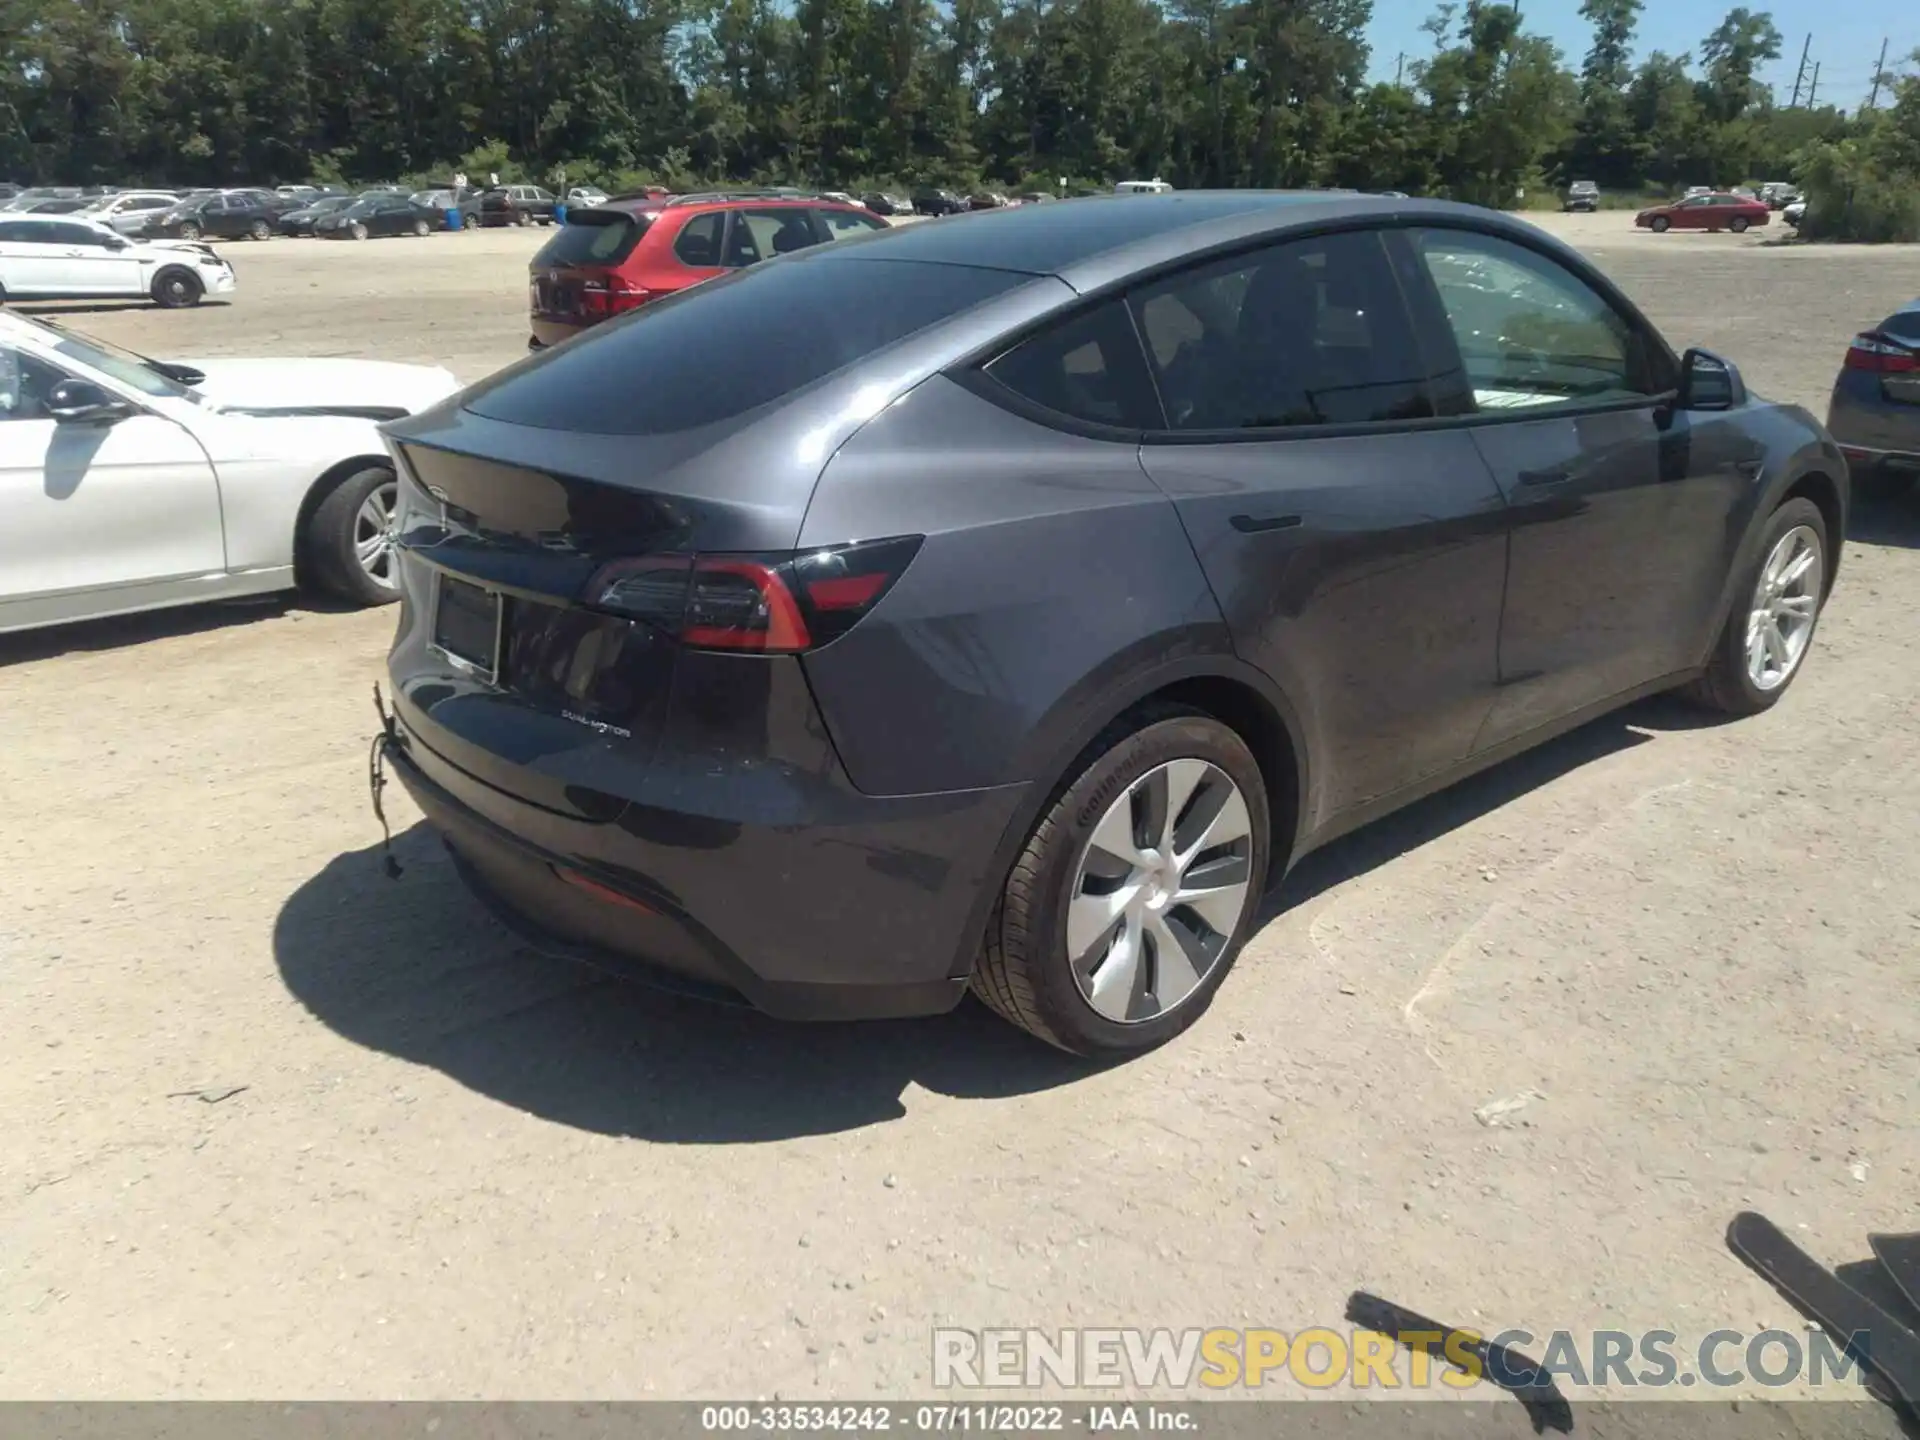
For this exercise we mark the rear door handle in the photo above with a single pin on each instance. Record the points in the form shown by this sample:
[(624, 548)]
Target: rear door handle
[(1537, 478)]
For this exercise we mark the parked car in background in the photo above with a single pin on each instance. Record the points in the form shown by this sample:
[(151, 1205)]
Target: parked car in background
[(224, 215), (1705, 212), (1035, 197), (884, 202), (1874, 412), (26, 200), (625, 254), (934, 201), (298, 223), (517, 205), (128, 210), (66, 257), (1155, 186), (1793, 212), (840, 197), (1779, 193), (587, 195), (1693, 190), (373, 216), (439, 201), (1582, 196), (141, 483), (986, 200), (1054, 561)]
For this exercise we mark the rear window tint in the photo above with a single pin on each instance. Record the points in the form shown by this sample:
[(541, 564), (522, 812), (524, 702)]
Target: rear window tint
[(733, 345), (593, 238), (1904, 323)]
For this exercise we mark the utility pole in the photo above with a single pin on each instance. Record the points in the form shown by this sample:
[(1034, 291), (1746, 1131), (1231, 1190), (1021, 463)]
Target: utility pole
[(1879, 67), (1800, 74), (1813, 88)]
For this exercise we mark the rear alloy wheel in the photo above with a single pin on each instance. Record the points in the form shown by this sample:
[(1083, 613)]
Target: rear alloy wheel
[(1659, 224), (349, 539), (359, 231), (1771, 628), (258, 230), (1130, 902), (176, 289), (420, 227), (189, 231), (1738, 225), (523, 218)]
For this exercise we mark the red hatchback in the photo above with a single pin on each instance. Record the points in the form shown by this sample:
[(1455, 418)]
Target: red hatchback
[(1705, 212), (618, 256)]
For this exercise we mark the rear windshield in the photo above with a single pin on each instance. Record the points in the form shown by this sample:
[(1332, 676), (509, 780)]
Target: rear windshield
[(593, 237), (1905, 323), (735, 344)]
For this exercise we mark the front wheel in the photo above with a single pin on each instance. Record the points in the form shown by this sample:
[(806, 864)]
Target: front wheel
[(523, 219), (176, 289), (359, 231), (349, 538), (1771, 628), (1134, 893), (189, 231), (1659, 224)]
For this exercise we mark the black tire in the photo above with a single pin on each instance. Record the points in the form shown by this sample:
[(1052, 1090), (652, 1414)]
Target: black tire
[(1726, 686), (176, 288), (420, 227), (1737, 225), (1659, 224), (522, 218), (1023, 971), (327, 546), (259, 230)]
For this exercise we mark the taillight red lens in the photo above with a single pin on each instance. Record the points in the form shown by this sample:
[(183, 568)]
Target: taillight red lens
[(1882, 355), (770, 604)]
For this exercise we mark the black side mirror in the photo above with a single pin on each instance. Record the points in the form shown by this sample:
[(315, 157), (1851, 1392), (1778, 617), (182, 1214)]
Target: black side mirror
[(1710, 382), (81, 402)]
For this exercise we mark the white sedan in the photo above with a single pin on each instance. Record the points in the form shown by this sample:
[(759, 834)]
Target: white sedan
[(69, 257), (132, 484)]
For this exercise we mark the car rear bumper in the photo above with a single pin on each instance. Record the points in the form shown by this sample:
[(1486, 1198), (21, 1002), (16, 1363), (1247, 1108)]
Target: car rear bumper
[(1871, 428), (865, 908), (545, 330)]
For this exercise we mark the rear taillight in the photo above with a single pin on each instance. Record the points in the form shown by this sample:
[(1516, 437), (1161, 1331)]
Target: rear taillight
[(773, 604), (1882, 355), (612, 294)]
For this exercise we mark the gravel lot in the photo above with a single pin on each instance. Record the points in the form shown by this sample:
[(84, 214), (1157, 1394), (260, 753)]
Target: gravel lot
[(444, 1167)]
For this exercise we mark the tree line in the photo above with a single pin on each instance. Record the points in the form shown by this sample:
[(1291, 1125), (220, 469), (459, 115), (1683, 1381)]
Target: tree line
[(857, 93)]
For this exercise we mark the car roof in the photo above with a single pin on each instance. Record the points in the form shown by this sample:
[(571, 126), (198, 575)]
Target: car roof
[(1097, 240)]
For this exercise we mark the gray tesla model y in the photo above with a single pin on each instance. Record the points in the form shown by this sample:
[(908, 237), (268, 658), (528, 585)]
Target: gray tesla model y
[(1008, 602)]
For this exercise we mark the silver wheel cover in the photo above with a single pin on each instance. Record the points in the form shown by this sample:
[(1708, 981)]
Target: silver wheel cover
[(1161, 886)]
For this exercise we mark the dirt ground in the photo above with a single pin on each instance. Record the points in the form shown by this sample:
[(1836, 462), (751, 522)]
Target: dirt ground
[(275, 1125)]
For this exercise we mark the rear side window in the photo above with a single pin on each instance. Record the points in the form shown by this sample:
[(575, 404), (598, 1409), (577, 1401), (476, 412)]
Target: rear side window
[(1088, 368), (1311, 332), (699, 240), (593, 237), (758, 235), (731, 346)]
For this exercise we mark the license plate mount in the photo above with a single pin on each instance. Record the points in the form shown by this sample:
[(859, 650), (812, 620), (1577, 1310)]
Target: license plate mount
[(467, 622)]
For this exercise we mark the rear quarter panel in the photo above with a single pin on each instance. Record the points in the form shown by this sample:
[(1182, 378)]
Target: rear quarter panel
[(1054, 572)]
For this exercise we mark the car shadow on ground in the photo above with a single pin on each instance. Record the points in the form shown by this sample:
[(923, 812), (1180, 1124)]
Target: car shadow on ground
[(103, 307), (117, 631), (1893, 520), (414, 967)]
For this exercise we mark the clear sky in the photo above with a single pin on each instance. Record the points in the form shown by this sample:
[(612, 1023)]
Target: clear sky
[(1846, 35)]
